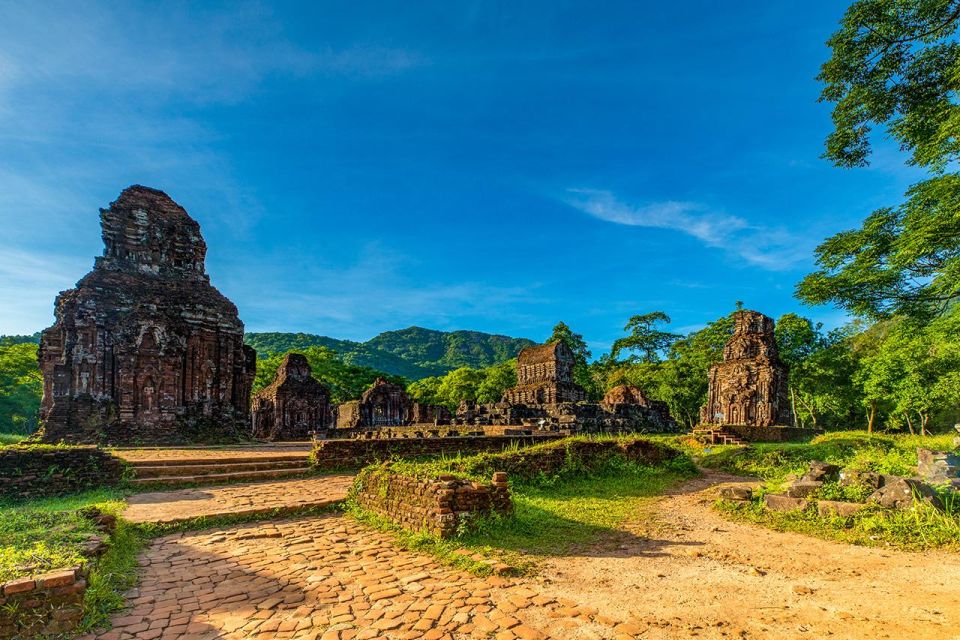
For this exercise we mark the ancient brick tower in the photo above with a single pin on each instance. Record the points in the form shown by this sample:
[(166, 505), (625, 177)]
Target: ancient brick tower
[(145, 349), (750, 386), (545, 376), (293, 405)]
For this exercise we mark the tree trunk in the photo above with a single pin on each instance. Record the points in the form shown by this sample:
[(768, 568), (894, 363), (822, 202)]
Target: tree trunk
[(871, 415), (793, 405), (924, 418), (909, 424)]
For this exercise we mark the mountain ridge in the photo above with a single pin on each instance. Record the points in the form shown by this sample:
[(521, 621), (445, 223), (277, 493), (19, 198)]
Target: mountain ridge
[(414, 352)]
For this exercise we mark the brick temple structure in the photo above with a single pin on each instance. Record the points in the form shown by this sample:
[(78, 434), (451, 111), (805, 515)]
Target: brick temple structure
[(750, 386), (384, 404), (145, 350), (625, 399), (292, 407), (545, 376), (547, 398)]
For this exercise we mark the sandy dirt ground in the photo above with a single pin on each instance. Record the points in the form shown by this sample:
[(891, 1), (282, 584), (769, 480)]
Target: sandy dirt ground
[(688, 572)]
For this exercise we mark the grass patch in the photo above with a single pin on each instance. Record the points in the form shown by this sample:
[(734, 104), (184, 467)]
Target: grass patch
[(917, 529), (773, 462), (46, 534), (11, 438), (776, 463), (581, 503)]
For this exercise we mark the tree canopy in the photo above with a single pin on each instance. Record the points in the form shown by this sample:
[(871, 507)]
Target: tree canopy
[(895, 64)]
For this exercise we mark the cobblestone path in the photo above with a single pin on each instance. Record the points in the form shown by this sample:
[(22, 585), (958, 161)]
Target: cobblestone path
[(242, 452), (241, 499), (327, 577)]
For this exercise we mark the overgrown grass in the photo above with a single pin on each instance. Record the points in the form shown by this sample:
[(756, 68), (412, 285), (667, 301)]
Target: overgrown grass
[(10, 438), (552, 515), (47, 534), (922, 527), (917, 529), (773, 462)]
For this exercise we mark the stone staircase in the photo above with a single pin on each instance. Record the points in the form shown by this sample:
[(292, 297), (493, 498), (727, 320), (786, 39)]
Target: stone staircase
[(716, 435), (200, 470)]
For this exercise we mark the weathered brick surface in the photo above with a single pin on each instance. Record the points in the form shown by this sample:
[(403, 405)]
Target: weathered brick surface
[(354, 454), (42, 605), (34, 472), (145, 349), (328, 577), (434, 505)]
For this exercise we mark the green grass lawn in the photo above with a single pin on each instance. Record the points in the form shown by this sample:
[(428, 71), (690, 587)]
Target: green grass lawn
[(551, 516), (48, 533)]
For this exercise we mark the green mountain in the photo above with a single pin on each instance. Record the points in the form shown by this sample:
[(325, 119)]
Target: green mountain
[(413, 353)]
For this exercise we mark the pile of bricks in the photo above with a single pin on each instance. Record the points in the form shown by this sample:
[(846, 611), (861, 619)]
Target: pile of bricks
[(42, 605)]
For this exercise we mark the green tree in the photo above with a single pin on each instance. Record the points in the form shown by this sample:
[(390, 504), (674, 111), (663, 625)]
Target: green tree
[(895, 64), (461, 384), (21, 387), (581, 354), (346, 381), (498, 379), (683, 375), (645, 339)]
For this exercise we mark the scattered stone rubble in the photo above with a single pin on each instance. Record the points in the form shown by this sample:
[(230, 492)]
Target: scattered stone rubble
[(888, 491), (145, 350)]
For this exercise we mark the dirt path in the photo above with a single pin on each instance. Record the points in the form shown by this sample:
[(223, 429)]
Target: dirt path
[(689, 572)]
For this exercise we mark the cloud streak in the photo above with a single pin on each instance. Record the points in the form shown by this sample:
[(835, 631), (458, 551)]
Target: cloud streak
[(769, 248)]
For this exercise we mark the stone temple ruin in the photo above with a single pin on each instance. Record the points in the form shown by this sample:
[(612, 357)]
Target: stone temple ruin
[(547, 397), (750, 386), (386, 404), (145, 349), (294, 405)]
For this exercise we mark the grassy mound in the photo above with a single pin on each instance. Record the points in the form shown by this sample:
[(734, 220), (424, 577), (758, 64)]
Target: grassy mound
[(587, 490)]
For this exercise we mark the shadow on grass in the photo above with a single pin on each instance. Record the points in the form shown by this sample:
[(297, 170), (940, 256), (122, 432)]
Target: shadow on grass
[(584, 517)]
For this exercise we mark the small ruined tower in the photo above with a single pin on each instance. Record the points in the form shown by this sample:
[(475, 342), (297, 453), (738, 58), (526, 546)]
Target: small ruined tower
[(293, 405), (145, 350), (750, 386)]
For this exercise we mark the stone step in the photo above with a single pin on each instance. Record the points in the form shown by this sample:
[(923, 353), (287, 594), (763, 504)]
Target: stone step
[(223, 478), (225, 466), (200, 460)]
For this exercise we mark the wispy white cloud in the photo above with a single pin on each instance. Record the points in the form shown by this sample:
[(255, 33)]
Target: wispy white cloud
[(362, 298), (29, 283), (769, 248)]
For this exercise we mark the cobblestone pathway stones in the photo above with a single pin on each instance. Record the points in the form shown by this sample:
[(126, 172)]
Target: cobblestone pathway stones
[(242, 499), (329, 578)]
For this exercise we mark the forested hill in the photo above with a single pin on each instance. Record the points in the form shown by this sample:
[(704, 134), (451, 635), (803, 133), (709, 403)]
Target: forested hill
[(413, 353)]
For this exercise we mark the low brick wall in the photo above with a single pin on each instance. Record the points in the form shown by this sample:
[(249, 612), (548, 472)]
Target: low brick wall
[(769, 434), (427, 430), (434, 505), (354, 454), (43, 605), (549, 459), (34, 471)]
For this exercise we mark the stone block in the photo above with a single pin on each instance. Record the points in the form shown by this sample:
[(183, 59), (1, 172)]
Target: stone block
[(904, 493), (821, 472), (938, 467), (830, 508), (735, 493), (803, 488), (60, 578), (23, 585), (776, 502), (853, 478)]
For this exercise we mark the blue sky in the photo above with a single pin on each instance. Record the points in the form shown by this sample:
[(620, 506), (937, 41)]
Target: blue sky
[(359, 167)]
